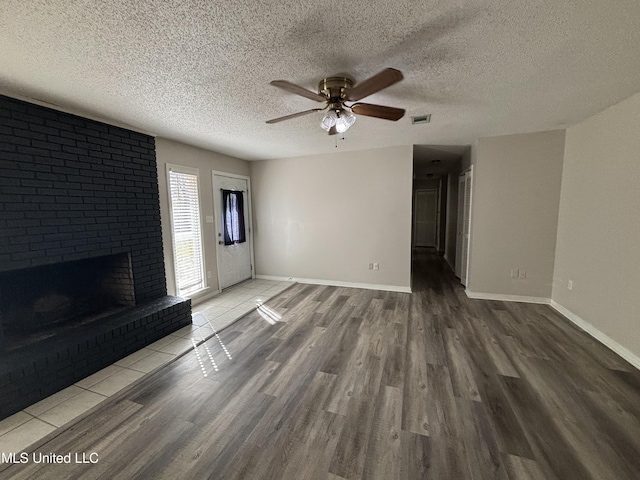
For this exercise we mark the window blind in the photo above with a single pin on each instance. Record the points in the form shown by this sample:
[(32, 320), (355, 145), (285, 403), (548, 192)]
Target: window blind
[(187, 236)]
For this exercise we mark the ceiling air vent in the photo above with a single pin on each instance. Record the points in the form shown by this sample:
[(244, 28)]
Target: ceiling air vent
[(421, 119)]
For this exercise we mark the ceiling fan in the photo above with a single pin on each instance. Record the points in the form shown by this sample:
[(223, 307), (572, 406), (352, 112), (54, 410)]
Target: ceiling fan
[(336, 91)]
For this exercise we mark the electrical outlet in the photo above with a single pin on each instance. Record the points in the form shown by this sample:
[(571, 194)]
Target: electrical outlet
[(376, 266), (522, 274), (570, 284), (371, 266), (209, 219), (514, 273)]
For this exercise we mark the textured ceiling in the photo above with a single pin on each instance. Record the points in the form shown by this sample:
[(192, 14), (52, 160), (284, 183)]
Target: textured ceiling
[(199, 71)]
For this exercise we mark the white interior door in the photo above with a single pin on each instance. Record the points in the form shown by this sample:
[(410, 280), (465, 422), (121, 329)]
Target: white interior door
[(425, 218), (234, 260), (439, 220), (466, 186), (460, 226)]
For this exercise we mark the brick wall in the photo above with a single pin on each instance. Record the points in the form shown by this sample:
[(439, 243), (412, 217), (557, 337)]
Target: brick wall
[(73, 188)]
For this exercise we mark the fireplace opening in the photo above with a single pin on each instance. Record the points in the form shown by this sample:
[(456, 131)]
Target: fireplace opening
[(40, 302)]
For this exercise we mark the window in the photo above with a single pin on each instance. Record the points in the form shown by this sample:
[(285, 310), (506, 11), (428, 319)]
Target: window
[(233, 204), (185, 229)]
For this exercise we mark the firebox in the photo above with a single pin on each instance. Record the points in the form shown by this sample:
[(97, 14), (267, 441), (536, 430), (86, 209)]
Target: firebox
[(40, 302)]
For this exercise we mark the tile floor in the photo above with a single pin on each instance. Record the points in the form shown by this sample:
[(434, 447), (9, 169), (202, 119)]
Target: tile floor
[(28, 426)]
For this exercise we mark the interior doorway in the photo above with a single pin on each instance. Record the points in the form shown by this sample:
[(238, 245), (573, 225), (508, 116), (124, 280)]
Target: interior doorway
[(435, 189)]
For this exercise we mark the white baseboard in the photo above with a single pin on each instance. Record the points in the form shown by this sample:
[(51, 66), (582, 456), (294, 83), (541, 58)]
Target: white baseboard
[(603, 338), (507, 298), (336, 283)]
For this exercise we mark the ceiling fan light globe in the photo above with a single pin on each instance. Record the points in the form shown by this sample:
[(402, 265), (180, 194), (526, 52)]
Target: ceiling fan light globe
[(349, 118), (341, 125), (329, 120)]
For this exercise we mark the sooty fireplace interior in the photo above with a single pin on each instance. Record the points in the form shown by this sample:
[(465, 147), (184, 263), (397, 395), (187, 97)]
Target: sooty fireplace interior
[(82, 279), (41, 302)]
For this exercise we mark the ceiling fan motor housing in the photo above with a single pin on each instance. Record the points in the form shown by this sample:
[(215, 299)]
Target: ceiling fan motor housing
[(333, 88)]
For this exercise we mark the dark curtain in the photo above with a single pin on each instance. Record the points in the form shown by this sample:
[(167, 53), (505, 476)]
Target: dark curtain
[(233, 205)]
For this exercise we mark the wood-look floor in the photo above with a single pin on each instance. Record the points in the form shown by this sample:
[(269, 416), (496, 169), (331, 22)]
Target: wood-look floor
[(359, 384)]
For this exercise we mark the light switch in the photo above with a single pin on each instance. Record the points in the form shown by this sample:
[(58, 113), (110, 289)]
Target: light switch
[(209, 218)]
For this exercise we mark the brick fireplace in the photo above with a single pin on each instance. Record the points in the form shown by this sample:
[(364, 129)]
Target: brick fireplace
[(82, 279)]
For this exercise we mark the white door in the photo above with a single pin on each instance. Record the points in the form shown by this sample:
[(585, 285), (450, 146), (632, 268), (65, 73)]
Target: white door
[(425, 218), (439, 225), (233, 254), (459, 227), (465, 196)]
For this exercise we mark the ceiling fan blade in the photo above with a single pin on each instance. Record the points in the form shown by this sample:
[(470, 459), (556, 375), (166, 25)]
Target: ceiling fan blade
[(294, 115), (378, 111), (293, 88), (371, 85), (333, 131)]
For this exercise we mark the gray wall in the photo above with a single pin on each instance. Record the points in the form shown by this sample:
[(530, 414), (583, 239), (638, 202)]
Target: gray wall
[(515, 213), (327, 216), (598, 242)]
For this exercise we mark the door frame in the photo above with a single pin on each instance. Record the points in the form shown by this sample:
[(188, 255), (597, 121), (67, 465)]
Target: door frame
[(465, 221), (469, 179), (216, 220), (439, 225), (459, 227)]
